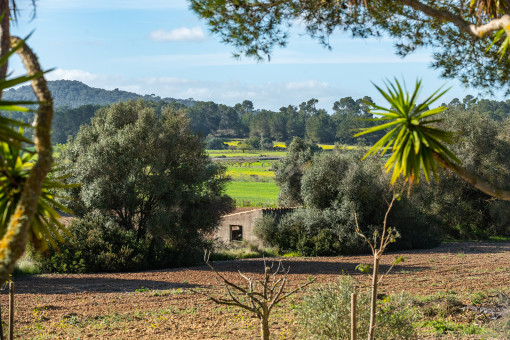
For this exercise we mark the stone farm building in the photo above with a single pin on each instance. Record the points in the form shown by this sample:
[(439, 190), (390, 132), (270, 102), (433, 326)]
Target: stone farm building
[(239, 226)]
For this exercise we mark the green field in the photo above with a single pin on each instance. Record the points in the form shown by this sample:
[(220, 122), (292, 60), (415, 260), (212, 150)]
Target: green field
[(253, 181), (252, 153), (256, 194), (257, 171)]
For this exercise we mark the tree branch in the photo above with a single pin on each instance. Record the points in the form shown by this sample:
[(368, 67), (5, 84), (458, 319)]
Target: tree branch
[(474, 180), (478, 31)]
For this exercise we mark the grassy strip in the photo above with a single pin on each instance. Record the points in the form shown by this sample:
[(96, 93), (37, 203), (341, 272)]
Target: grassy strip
[(255, 173), (251, 153), (257, 194)]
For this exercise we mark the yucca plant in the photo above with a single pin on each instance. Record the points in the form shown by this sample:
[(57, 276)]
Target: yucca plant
[(412, 138), (15, 166), (417, 145)]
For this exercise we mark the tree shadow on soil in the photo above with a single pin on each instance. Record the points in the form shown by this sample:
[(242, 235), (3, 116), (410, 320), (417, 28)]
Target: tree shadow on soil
[(311, 267), (89, 284), (475, 247)]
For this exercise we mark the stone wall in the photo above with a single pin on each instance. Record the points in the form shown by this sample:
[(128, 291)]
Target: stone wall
[(239, 226), (245, 219)]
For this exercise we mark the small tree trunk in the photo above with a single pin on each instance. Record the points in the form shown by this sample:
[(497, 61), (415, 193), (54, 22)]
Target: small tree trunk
[(373, 304), (264, 327), (353, 316), (474, 180), (11, 311), (5, 37)]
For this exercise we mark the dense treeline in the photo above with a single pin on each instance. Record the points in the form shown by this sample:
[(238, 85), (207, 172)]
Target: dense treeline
[(73, 94), (331, 187), (76, 104), (244, 121)]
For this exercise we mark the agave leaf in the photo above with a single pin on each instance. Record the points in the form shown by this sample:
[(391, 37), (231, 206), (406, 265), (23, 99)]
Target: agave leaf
[(413, 139)]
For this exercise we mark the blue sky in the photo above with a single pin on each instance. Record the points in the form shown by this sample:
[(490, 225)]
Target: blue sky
[(161, 47)]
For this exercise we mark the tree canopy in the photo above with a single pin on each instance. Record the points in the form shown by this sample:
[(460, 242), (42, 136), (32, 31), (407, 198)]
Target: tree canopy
[(469, 38), (149, 173)]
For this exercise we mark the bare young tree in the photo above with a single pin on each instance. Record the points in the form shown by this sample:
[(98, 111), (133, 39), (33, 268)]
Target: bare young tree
[(378, 245), (261, 296)]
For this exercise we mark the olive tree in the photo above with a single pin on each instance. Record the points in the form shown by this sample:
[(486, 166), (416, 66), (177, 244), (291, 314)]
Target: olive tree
[(150, 173)]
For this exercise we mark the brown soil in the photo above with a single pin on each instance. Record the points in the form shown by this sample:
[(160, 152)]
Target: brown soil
[(108, 306)]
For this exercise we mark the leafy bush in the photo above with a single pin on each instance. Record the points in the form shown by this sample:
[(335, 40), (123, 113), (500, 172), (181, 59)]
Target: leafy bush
[(98, 244), (484, 147), (213, 143), (310, 232), (290, 171), (239, 250), (335, 187), (325, 314)]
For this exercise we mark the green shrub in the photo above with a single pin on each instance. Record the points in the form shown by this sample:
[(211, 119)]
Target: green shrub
[(334, 188), (26, 265), (150, 173), (239, 250), (98, 244), (213, 143), (325, 314), (484, 148)]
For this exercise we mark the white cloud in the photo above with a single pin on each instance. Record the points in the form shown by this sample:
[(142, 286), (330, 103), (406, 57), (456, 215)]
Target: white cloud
[(80, 75), (178, 34), (307, 85)]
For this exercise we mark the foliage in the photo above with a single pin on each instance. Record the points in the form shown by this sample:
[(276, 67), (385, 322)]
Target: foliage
[(484, 149), (149, 173), (239, 250), (16, 167), (27, 265), (213, 143), (460, 34), (334, 186), (67, 121), (290, 170), (325, 313), (414, 142), (98, 244), (347, 115), (310, 232), (8, 134), (21, 198), (76, 103), (72, 94)]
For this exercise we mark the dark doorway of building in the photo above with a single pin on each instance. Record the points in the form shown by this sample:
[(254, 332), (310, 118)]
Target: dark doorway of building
[(236, 233)]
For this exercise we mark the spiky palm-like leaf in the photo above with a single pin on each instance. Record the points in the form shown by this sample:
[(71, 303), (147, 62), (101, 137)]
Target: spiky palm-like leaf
[(14, 170), (413, 139), (8, 133)]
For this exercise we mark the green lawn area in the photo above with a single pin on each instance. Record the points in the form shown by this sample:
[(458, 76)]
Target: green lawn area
[(253, 153), (255, 172), (257, 194)]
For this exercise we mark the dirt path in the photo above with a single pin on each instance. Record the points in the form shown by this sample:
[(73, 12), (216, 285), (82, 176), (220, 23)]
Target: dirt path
[(160, 304)]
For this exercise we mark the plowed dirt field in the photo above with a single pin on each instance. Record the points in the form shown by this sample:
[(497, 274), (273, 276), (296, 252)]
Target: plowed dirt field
[(161, 305)]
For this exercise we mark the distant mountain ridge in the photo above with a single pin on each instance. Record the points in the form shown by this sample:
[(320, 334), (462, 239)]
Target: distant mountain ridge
[(73, 94)]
